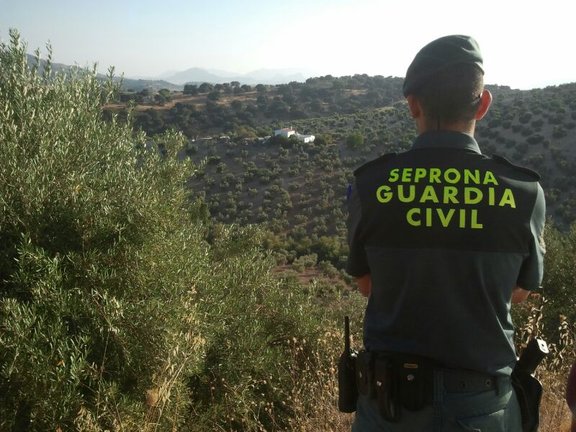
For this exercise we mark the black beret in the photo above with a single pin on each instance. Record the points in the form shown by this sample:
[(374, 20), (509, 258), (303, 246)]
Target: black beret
[(438, 55)]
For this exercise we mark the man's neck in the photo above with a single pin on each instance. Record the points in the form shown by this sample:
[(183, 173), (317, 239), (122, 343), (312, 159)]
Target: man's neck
[(425, 125)]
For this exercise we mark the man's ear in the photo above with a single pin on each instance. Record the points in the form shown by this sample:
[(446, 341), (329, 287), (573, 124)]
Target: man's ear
[(485, 102), (414, 106)]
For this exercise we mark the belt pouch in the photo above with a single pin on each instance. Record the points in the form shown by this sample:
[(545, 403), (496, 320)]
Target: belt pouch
[(364, 368), (414, 383), (386, 390)]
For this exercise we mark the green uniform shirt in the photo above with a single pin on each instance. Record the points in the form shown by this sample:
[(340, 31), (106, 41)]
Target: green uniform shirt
[(446, 234)]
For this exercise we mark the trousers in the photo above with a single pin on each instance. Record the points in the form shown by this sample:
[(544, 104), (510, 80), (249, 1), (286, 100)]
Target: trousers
[(494, 410)]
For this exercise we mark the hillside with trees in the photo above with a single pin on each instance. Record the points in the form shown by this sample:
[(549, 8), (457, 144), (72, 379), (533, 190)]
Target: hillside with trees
[(298, 189), (153, 278)]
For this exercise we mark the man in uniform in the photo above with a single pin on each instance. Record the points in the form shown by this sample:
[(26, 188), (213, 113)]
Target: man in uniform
[(442, 240)]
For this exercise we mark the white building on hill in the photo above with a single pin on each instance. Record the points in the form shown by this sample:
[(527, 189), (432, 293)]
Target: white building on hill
[(288, 132), (285, 132), (306, 138)]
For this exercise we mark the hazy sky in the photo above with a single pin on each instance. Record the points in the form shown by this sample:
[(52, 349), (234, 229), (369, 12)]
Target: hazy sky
[(526, 44)]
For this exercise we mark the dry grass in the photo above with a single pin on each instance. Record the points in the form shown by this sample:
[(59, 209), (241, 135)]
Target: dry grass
[(323, 385), (554, 413)]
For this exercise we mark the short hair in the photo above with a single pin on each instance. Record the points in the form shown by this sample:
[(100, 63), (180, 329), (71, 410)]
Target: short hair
[(452, 94)]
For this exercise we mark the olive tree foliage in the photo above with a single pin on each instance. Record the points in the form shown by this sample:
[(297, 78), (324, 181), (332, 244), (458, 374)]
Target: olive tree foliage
[(98, 260), (559, 284), (552, 313)]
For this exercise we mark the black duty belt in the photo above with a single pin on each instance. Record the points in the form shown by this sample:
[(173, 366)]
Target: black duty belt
[(461, 381), (405, 380)]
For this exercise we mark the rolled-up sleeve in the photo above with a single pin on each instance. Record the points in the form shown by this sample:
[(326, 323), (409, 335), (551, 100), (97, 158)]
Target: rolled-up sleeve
[(532, 270), (357, 264)]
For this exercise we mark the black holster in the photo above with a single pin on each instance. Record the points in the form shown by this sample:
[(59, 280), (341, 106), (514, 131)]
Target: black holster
[(529, 394), (527, 388)]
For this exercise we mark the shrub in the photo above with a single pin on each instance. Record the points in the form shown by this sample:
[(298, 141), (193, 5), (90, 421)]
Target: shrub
[(263, 352), (355, 140), (97, 255)]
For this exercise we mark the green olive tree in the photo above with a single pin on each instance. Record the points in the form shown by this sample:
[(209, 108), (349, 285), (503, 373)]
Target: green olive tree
[(98, 258)]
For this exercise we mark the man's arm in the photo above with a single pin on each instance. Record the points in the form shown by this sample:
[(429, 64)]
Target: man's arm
[(364, 284), (519, 295), (532, 269)]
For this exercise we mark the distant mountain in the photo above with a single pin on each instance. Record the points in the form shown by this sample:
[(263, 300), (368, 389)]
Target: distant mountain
[(197, 75), (56, 67), (261, 76), (176, 80), (127, 83)]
